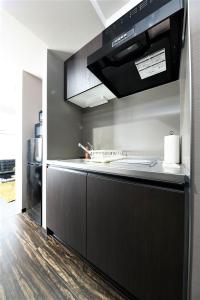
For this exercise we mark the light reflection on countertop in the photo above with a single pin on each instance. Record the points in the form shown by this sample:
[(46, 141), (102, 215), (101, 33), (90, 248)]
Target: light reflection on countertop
[(159, 172)]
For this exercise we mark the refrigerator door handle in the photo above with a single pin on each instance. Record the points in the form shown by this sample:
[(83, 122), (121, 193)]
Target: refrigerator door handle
[(38, 150)]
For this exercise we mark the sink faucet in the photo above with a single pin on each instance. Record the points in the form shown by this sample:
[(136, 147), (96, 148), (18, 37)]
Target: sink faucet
[(86, 150)]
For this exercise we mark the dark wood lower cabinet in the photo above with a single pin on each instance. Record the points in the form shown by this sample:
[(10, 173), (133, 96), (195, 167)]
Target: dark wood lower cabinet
[(66, 206), (133, 232), (135, 235)]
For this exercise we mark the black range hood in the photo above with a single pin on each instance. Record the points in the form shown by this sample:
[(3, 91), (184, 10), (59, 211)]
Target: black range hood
[(142, 49)]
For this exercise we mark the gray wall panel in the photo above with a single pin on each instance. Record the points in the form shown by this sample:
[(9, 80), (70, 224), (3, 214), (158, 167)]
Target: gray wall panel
[(194, 6), (64, 121), (138, 122), (185, 100)]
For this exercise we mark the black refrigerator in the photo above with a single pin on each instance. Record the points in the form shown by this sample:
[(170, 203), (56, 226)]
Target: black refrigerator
[(34, 179)]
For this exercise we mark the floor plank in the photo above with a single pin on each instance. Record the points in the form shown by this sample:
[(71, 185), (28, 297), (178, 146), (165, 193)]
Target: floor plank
[(36, 266)]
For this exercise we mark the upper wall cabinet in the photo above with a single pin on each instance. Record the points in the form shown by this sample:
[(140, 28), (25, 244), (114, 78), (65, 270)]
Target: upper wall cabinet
[(79, 79)]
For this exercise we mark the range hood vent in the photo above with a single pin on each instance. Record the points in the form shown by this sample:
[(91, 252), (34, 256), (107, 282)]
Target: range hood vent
[(93, 97), (142, 49)]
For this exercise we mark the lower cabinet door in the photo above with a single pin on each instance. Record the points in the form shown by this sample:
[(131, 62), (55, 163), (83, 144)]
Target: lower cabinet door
[(135, 234), (66, 206)]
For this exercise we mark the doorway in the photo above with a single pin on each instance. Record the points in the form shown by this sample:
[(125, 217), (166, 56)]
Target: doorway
[(31, 140)]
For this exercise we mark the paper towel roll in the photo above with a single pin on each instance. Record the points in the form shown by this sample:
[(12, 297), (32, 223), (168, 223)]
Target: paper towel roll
[(172, 149)]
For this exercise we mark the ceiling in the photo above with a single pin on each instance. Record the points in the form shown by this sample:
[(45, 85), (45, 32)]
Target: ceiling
[(64, 26), (110, 7)]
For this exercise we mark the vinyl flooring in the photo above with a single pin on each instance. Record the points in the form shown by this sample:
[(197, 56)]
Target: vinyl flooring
[(36, 266)]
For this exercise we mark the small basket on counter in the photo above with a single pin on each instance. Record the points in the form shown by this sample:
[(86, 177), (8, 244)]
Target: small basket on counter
[(103, 156)]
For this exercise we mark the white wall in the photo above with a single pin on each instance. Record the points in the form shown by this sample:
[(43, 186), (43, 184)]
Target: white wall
[(7, 118), (20, 50), (31, 105), (7, 144)]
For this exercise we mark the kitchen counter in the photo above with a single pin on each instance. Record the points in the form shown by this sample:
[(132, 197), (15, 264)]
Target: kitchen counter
[(159, 172)]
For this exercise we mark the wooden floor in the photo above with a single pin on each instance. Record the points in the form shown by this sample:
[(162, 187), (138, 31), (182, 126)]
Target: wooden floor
[(34, 266)]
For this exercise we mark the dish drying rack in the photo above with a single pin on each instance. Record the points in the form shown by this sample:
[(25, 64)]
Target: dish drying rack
[(121, 157), (103, 156)]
